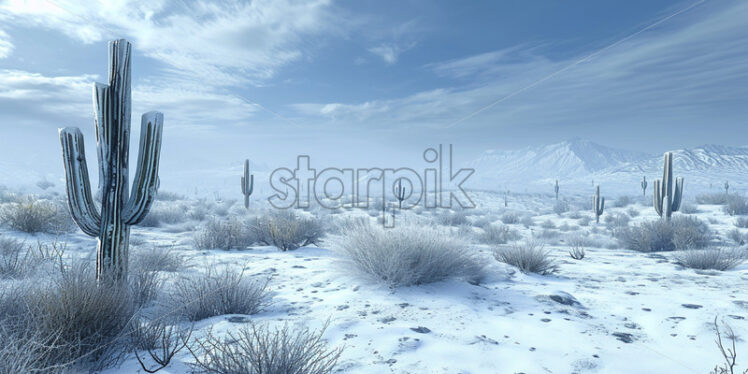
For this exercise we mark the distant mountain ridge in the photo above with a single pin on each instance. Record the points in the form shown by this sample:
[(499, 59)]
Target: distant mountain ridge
[(580, 163)]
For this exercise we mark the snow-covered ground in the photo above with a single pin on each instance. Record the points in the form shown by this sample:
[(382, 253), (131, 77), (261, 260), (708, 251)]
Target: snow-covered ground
[(615, 311)]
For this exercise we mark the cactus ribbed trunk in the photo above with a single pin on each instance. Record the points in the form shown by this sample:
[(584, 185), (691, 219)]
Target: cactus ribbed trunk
[(598, 204), (248, 183), (119, 208), (667, 195)]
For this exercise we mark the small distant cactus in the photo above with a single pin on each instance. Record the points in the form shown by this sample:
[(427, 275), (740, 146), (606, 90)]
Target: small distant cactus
[(248, 184), (598, 204), (506, 199), (400, 194), (555, 188), (727, 188), (120, 207), (644, 186), (667, 196)]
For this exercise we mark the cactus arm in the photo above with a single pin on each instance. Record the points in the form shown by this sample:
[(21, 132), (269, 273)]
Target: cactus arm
[(657, 196), (81, 203), (146, 182), (678, 194)]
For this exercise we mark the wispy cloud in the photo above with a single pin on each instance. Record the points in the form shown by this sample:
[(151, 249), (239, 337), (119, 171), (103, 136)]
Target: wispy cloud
[(224, 43), (680, 75), (6, 46), (390, 52)]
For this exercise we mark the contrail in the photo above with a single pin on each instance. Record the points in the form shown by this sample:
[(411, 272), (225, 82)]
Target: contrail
[(547, 77)]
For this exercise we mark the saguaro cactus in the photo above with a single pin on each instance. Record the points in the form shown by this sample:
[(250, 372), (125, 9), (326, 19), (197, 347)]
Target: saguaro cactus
[(598, 204), (667, 198), (400, 194), (555, 188), (727, 188), (119, 208), (644, 186), (506, 199), (248, 184)]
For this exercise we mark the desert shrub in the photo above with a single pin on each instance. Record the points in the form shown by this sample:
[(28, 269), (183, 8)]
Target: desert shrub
[(224, 234), (34, 216), (566, 227), (510, 218), (453, 218), (14, 258), (585, 221), (681, 232), (6, 196), (287, 231), (527, 221), (688, 208), (158, 259), (622, 201), (161, 337), (529, 257), (711, 199), (576, 250), (736, 236), (217, 292), (575, 214), (548, 224), (711, 259), (742, 222), (168, 196), (547, 234), (616, 221), (164, 213), (632, 212), (408, 254), (736, 205), (77, 320), (255, 349), (498, 234), (222, 208), (560, 207)]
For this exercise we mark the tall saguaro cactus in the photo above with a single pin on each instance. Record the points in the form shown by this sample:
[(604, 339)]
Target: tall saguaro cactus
[(555, 188), (248, 184), (120, 208), (667, 197), (644, 186), (400, 193), (598, 204)]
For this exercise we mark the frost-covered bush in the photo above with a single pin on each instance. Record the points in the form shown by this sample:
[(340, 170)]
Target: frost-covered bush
[(688, 208), (448, 218), (616, 221), (560, 207), (736, 205), (14, 258), (742, 222), (408, 254), (510, 218), (681, 232), (585, 221), (622, 201), (527, 221), (498, 234), (711, 259), (168, 196), (287, 231), (224, 234), (255, 349), (217, 292), (633, 212), (76, 320), (32, 216), (528, 257), (736, 236), (548, 224), (158, 259), (167, 213), (711, 198)]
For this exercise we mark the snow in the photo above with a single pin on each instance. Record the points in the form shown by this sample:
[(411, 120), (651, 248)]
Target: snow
[(509, 323)]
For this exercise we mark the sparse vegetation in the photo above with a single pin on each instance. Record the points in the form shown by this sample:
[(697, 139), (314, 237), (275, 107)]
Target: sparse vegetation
[(408, 254), (711, 259), (224, 234), (33, 216), (498, 234), (711, 199), (256, 349), (681, 232), (287, 231), (217, 292), (528, 257), (736, 205)]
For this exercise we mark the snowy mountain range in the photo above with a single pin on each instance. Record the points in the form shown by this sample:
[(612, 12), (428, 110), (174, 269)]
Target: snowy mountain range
[(578, 164)]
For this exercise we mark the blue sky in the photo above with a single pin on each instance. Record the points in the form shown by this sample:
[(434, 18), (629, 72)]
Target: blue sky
[(375, 81)]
